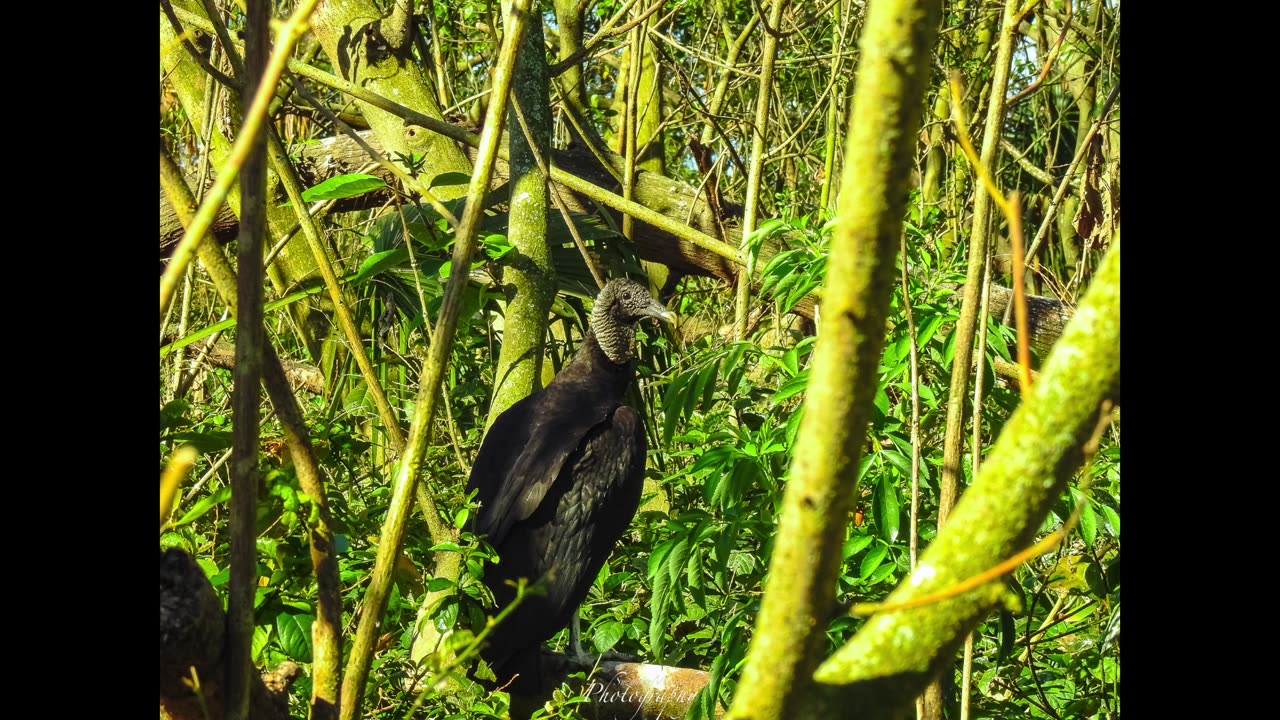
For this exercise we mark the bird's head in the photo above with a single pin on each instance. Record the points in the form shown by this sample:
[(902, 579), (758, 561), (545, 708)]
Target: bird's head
[(619, 306)]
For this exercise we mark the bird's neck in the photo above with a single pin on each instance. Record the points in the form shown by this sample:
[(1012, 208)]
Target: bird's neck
[(616, 340), (593, 366)]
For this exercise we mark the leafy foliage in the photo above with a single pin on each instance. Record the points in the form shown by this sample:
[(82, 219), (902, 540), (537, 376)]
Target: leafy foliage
[(683, 588)]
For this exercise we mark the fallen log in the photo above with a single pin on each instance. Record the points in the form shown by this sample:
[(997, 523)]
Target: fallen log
[(320, 160)]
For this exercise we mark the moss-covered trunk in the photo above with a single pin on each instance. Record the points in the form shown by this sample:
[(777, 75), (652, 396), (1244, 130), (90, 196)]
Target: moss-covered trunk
[(529, 274)]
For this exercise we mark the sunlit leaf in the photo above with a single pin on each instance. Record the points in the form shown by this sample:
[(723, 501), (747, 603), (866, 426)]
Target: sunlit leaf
[(294, 632), (343, 186)]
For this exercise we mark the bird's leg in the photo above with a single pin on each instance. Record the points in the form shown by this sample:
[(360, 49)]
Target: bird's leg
[(575, 636)]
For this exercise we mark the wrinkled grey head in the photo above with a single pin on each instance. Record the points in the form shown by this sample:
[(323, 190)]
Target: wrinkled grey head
[(619, 306)]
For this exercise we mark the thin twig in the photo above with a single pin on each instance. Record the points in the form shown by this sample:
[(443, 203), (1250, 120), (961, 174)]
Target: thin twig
[(426, 325), (914, 539), (606, 31), (1020, 295), (1048, 63), (405, 483)]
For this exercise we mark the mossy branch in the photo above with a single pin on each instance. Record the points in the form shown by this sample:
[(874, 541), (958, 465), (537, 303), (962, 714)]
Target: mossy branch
[(530, 272), (800, 589)]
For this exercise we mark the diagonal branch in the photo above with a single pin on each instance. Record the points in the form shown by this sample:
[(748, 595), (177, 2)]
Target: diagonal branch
[(1026, 471)]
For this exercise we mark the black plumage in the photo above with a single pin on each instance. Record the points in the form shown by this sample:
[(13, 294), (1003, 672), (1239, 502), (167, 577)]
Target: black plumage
[(559, 476)]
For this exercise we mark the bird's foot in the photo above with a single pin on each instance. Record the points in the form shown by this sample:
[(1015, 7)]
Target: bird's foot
[(578, 655)]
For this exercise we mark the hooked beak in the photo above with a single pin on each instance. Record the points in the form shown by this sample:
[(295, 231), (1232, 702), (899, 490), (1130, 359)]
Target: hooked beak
[(656, 310)]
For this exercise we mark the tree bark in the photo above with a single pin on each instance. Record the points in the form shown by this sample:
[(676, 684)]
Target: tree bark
[(376, 54), (193, 635)]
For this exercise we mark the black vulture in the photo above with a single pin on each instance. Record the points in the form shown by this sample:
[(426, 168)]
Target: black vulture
[(559, 476)]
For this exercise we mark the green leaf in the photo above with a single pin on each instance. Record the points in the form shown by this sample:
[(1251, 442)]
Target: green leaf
[(672, 402), (949, 349), (207, 503), (295, 635), (675, 562), (734, 368), (881, 401), (881, 574), (1088, 518), (658, 620), (378, 262), (445, 618), (996, 341), (658, 558), (872, 560), (867, 461), (928, 330), (693, 574), (608, 635), (496, 246), (1111, 518), (209, 567), (204, 441), (174, 414), (792, 387), (898, 460), (438, 584), (705, 386), (691, 395), (715, 457), (449, 179), (856, 544), (888, 512), (793, 426), (744, 475), (1089, 524), (261, 636), (343, 186), (173, 540)]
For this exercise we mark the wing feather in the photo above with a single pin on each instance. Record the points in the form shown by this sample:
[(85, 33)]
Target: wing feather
[(513, 484)]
